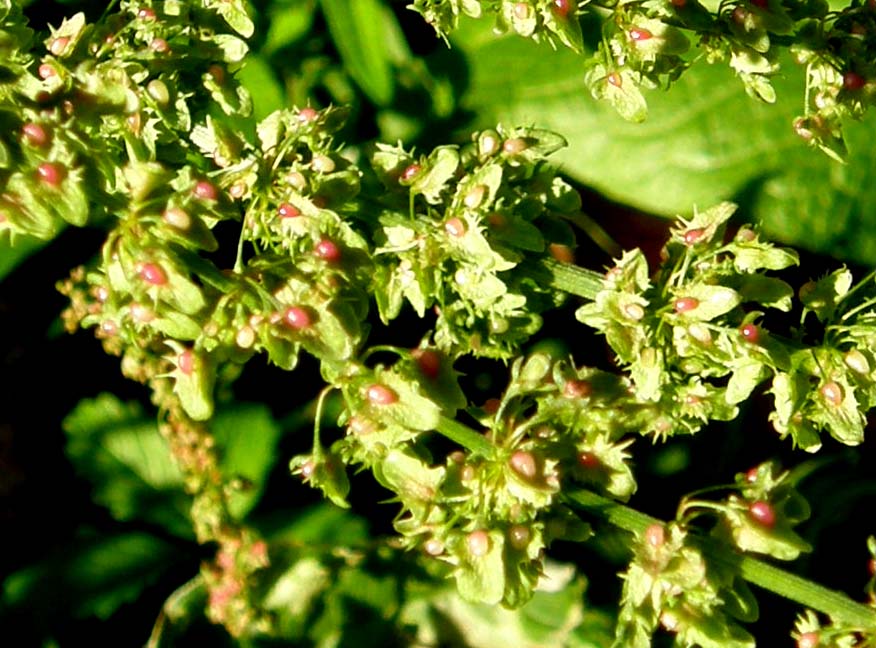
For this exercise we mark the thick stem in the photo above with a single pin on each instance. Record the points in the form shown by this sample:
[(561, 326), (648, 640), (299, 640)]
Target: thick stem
[(564, 276), (466, 437), (835, 604)]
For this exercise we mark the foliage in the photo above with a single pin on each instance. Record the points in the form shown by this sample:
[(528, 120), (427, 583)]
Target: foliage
[(238, 230)]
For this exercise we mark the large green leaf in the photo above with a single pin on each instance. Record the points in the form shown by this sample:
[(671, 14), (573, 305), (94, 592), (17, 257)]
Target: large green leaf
[(118, 449), (12, 254), (92, 576), (247, 437), (703, 141)]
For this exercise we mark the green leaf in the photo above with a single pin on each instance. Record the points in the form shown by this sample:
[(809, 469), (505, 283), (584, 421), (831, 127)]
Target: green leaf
[(247, 436), (119, 450), (290, 20), (258, 77), (93, 576), (358, 30), (17, 250)]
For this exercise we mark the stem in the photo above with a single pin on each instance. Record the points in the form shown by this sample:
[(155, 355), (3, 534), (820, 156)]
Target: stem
[(466, 437), (836, 605), (564, 276)]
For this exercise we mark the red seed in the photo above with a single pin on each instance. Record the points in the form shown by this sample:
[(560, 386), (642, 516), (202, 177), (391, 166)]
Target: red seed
[(833, 393), (478, 543), (519, 536), (763, 513), (686, 304), (185, 361), (205, 190), (655, 535), (410, 172), (146, 13), (751, 475), (297, 318), (46, 71), (750, 333), (307, 115), (34, 134), (327, 251), (58, 45), (475, 196), (514, 145), (217, 72), (561, 253), (381, 395), (588, 460), (497, 220), (640, 34), (141, 314), (159, 45), (678, 4), (853, 81), (51, 173), (491, 405), (561, 8), (523, 463), (577, 389), (521, 11), (808, 640), (153, 274), (428, 361), (287, 210), (455, 227), (308, 469), (615, 79), (694, 236)]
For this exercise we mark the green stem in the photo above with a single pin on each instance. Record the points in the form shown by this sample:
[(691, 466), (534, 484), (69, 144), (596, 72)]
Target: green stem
[(836, 605), (564, 276), (466, 437)]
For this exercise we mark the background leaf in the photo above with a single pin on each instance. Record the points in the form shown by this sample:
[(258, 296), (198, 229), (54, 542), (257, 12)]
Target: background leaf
[(703, 142)]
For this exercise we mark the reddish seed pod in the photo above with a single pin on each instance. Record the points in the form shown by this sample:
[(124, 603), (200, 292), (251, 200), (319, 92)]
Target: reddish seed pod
[(475, 196), (588, 460), (327, 251), (523, 463), (455, 227), (308, 469), (381, 395), (615, 79), (577, 389), (833, 393), (751, 475), (519, 536), (514, 146), (808, 640), (491, 405), (750, 333), (678, 4), (46, 71), (34, 134), (58, 45), (146, 13), (478, 543), (307, 114), (141, 314), (297, 318), (655, 535), (287, 210), (159, 45), (562, 253), (763, 513), (185, 361), (694, 236), (561, 8), (153, 274), (51, 173), (410, 172), (853, 81), (685, 304), (428, 361), (205, 190), (762, 4), (638, 34), (497, 220), (217, 72), (133, 122), (522, 11)]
